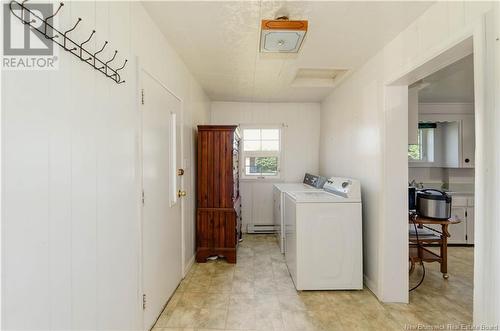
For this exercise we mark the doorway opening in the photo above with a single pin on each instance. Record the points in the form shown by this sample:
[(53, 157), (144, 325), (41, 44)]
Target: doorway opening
[(395, 280), (441, 162)]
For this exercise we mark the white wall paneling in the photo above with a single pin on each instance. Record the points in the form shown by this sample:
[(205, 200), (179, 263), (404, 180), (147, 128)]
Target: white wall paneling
[(356, 122), (429, 175), (71, 232), (446, 108), (393, 263), (487, 194), (300, 148), (413, 115)]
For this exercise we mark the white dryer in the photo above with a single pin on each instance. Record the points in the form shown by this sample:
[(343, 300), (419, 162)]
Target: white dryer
[(323, 233), (310, 183)]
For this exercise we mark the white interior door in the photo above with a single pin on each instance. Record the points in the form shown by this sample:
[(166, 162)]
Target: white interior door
[(161, 212)]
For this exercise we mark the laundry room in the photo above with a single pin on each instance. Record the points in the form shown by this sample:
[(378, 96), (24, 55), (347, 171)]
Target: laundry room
[(250, 165)]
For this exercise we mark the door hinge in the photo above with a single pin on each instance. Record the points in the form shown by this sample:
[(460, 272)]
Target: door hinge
[(144, 301), (142, 96), (465, 237), (466, 213), (142, 197)]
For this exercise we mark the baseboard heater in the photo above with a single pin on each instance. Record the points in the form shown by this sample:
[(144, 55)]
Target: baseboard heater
[(260, 228)]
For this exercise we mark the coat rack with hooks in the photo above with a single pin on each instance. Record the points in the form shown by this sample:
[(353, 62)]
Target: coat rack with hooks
[(46, 29)]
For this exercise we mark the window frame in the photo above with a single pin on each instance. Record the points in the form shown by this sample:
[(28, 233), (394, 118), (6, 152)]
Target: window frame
[(426, 147), (244, 154)]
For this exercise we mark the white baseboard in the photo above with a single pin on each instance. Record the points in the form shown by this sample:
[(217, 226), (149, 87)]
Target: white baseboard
[(188, 266)]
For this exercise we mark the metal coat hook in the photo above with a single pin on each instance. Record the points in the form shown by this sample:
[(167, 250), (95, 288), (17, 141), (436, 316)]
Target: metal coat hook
[(123, 66), (114, 55), (74, 27), (117, 78), (67, 31), (99, 51), (106, 64), (90, 37), (81, 47), (51, 16), (44, 27), (22, 13)]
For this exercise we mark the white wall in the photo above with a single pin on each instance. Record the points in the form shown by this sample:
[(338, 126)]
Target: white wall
[(427, 175), (487, 194), (197, 111), (356, 121), (350, 127), (71, 236), (301, 146), (442, 175)]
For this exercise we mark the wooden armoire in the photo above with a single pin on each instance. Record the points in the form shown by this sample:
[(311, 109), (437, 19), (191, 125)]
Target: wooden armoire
[(218, 203)]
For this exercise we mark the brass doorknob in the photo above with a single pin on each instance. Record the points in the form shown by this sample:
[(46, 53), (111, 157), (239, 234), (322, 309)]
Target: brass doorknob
[(181, 193), (180, 172)]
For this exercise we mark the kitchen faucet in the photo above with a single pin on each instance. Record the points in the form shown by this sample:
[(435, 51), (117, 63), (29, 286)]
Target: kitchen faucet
[(414, 183)]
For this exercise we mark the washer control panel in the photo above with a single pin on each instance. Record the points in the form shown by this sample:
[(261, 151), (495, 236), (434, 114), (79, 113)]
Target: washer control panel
[(346, 187)]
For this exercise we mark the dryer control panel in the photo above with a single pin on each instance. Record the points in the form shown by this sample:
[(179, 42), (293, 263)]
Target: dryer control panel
[(314, 181)]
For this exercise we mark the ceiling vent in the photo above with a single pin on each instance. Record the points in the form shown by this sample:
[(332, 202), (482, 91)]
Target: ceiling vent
[(318, 77), (282, 35)]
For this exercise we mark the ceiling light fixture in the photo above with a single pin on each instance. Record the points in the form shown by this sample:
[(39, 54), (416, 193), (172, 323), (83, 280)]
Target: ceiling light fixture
[(282, 35)]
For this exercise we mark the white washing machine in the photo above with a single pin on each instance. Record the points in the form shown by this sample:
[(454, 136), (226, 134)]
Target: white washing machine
[(310, 183), (323, 233)]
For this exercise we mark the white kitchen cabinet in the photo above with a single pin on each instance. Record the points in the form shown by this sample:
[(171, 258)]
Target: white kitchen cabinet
[(458, 232), (458, 200), (451, 144), (459, 143), (470, 225), (463, 209), (468, 141)]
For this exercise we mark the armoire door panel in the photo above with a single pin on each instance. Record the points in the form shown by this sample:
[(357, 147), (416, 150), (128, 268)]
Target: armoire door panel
[(217, 190), (217, 165), (210, 167)]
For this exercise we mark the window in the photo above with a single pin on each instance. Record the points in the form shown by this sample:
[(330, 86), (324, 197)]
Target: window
[(261, 152), (423, 151)]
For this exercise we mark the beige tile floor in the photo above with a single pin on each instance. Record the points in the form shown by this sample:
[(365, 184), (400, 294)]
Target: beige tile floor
[(258, 294)]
